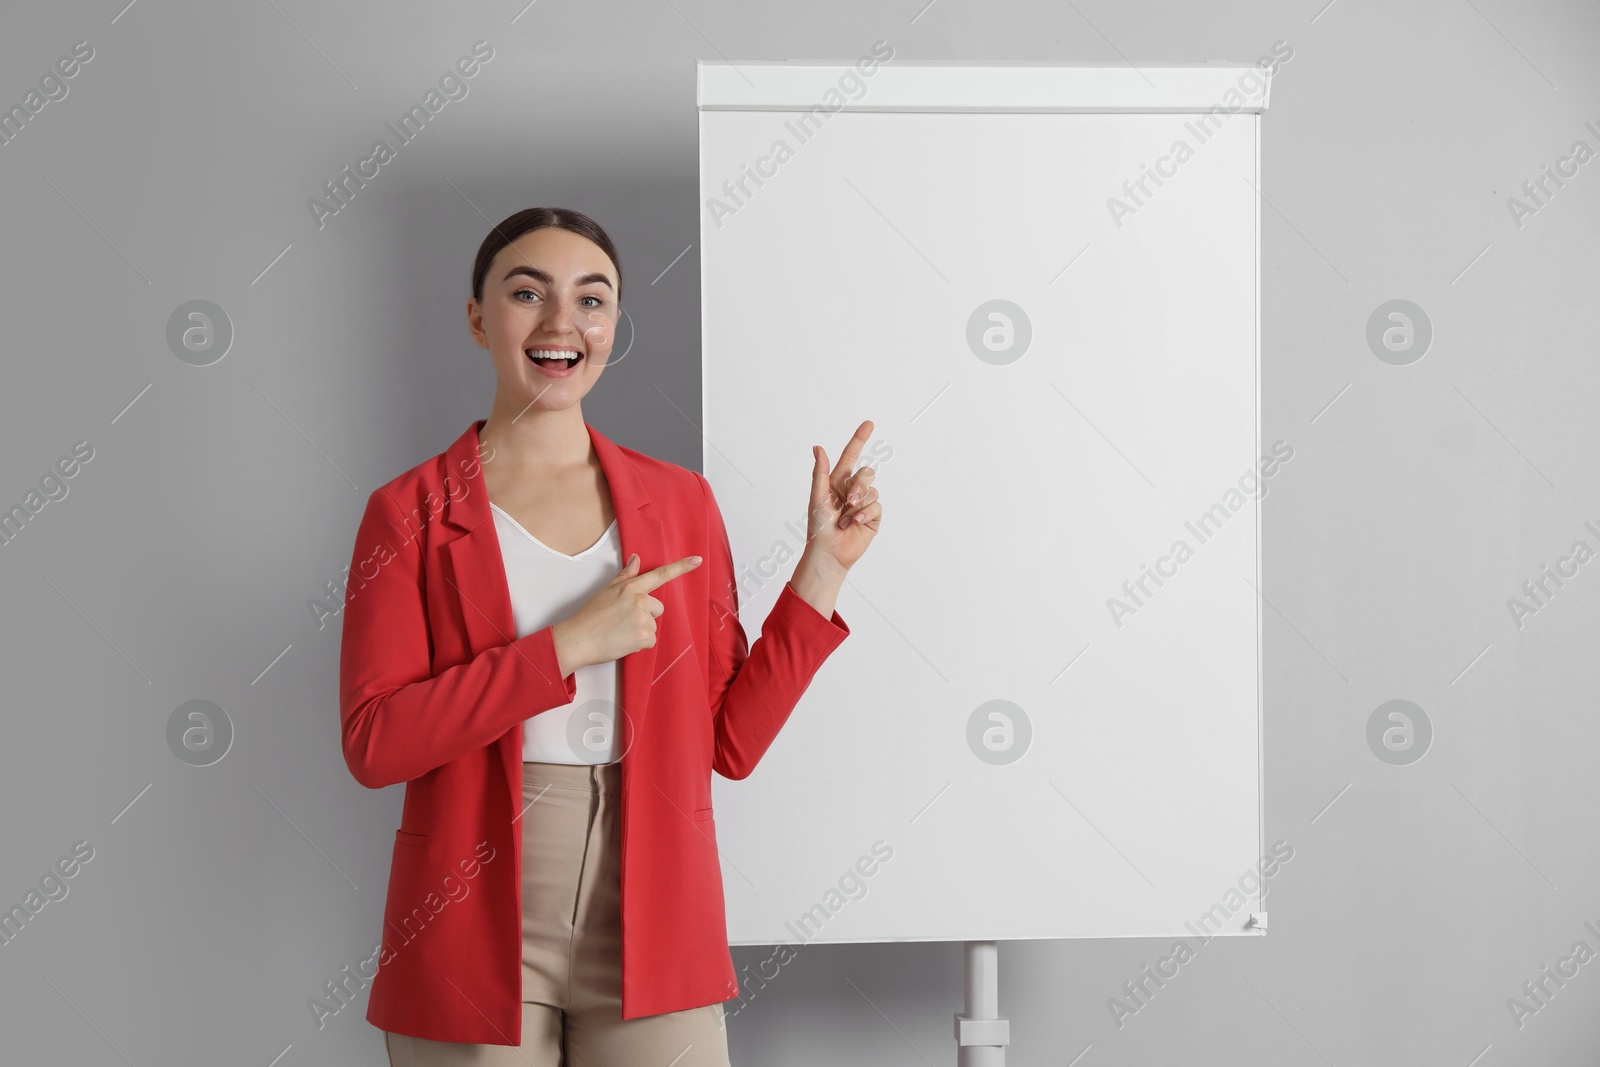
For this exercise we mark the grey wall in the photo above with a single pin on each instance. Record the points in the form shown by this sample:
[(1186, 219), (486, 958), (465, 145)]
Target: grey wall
[(219, 499)]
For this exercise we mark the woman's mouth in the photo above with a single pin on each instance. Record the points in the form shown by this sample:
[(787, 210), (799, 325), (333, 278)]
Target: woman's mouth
[(557, 363)]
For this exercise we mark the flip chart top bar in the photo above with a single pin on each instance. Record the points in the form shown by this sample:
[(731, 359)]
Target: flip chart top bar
[(933, 86)]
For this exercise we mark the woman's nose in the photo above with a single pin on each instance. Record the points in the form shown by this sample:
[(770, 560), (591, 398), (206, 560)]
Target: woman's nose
[(559, 320)]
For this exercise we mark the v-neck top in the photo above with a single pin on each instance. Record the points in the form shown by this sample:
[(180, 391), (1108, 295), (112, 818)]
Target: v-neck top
[(546, 586)]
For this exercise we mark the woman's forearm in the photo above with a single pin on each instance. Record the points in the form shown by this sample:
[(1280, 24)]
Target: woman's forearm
[(817, 581)]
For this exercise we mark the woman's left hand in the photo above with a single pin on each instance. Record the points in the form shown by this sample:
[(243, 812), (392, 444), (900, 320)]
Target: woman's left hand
[(844, 512)]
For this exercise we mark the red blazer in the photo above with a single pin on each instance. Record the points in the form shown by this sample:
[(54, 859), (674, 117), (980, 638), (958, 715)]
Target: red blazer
[(434, 687)]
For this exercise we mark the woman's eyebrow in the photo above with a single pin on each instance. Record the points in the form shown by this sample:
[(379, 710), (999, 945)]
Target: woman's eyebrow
[(544, 276)]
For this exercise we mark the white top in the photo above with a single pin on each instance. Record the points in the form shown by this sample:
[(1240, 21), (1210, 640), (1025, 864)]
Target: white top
[(547, 586)]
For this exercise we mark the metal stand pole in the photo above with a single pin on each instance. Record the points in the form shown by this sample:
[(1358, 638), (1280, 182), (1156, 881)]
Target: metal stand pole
[(981, 1034)]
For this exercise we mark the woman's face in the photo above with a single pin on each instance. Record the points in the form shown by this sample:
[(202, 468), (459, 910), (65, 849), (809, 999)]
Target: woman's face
[(549, 292)]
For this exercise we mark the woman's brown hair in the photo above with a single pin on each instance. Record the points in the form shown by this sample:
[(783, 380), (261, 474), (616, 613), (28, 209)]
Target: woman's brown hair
[(537, 218)]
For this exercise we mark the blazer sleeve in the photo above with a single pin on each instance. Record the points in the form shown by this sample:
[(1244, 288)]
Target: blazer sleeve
[(398, 720), (754, 688)]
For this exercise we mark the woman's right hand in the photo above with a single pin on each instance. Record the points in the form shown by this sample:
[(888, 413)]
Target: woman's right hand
[(618, 619)]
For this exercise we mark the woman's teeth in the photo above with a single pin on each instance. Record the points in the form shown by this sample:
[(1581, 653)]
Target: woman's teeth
[(566, 359)]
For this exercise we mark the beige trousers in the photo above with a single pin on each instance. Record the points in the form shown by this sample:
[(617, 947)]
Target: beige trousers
[(572, 945)]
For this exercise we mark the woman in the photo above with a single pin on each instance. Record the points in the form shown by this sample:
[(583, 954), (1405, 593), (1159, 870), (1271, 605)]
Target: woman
[(541, 640)]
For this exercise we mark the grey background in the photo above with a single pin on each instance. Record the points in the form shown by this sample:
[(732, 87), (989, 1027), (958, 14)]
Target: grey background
[(220, 499)]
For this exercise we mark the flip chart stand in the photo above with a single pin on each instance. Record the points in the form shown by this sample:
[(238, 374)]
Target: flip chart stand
[(981, 1034)]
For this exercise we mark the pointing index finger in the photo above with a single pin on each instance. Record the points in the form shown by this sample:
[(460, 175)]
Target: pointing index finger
[(659, 576)]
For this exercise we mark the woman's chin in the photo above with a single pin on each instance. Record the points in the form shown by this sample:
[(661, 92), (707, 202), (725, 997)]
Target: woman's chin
[(551, 395)]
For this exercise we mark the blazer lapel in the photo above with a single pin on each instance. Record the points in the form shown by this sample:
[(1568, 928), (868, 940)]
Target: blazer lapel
[(639, 529), (479, 573)]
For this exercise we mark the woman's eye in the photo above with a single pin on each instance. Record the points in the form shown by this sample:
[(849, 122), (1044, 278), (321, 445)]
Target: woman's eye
[(599, 301)]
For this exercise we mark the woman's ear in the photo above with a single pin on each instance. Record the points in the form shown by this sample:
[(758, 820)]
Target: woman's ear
[(475, 323)]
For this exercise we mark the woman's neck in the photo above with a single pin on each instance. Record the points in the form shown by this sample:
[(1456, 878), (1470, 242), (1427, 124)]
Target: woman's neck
[(535, 442)]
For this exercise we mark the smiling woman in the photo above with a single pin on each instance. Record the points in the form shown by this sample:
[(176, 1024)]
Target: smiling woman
[(503, 664), (554, 324)]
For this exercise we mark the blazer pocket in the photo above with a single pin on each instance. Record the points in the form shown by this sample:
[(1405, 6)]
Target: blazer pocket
[(702, 814), (406, 837)]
